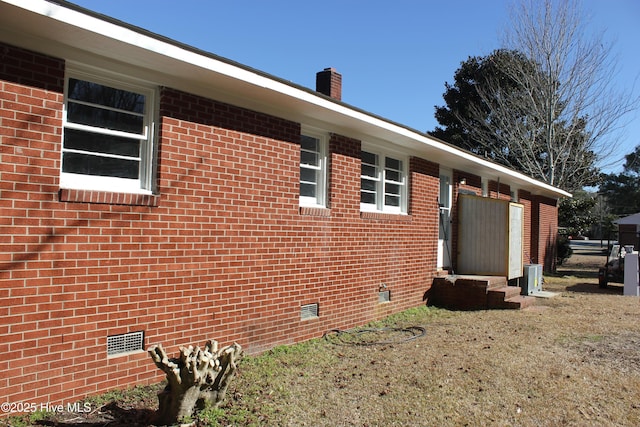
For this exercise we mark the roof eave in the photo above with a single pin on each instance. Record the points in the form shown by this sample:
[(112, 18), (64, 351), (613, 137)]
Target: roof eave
[(59, 28)]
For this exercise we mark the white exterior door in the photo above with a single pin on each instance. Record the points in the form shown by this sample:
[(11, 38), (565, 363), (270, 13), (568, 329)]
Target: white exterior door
[(444, 221)]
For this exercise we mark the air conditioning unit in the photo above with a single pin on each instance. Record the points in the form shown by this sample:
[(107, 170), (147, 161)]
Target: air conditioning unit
[(531, 282)]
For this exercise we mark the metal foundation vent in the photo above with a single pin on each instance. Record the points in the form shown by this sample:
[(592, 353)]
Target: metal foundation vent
[(384, 296), (309, 311), (125, 343)]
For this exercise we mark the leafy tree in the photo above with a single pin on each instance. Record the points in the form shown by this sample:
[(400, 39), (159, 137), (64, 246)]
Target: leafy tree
[(577, 213), (632, 162), (622, 191), (468, 105), (544, 104), (491, 112)]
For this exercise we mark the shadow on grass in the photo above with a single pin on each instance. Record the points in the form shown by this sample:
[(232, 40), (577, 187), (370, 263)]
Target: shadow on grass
[(593, 288), (577, 273), (110, 415)]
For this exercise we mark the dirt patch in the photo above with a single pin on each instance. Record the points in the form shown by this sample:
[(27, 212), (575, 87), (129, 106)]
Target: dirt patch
[(571, 360), (621, 352)]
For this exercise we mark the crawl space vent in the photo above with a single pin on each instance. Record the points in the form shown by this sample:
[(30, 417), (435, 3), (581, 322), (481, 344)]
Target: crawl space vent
[(125, 343), (309, 311), (384, 296)]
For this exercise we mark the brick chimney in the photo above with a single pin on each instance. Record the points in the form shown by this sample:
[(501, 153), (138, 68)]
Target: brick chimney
[(329, 82)]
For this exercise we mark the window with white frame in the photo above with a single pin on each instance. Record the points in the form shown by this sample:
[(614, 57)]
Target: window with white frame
[(383, 183), (108, 134), (313, 169)]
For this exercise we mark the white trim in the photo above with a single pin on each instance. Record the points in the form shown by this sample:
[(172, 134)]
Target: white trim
[(484, 183), (443, 257), (515, 194), (320, 201), (72, 181), (144, 183), (380, 180), (197, 69)]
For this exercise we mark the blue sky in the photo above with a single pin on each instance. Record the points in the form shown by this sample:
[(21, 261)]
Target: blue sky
[(394, 56)]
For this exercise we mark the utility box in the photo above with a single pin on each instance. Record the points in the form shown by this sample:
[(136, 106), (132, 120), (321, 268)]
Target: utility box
[(531, 279), (490, 237)]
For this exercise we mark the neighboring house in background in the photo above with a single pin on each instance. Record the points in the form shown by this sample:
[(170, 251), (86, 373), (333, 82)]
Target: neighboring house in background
[(155, 193), (629, 230)]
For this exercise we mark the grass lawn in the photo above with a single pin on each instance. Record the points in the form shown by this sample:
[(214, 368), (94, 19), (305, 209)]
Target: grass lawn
[(572, 360)]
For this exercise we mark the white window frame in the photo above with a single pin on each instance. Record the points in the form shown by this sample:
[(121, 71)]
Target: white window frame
[(320, 201), (144, 183), (381, 180)]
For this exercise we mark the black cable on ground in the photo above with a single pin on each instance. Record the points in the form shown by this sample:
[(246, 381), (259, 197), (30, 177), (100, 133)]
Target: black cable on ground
[(358, 336)]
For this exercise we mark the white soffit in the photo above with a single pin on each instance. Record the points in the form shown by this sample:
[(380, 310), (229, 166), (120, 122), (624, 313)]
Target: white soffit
[(58, 29)]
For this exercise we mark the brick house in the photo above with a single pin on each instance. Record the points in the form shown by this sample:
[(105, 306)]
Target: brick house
[(155, 193)]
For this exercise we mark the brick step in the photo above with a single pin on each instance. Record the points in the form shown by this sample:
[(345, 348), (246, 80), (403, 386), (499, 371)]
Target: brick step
[(508, 297), (468, 292), (494, 282), (502, 293), (518, 303)]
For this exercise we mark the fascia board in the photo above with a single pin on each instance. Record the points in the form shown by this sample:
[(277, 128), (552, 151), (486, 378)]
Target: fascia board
[(263, 92)]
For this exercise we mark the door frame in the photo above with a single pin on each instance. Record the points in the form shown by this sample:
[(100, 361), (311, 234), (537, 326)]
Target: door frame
[(445, 204)]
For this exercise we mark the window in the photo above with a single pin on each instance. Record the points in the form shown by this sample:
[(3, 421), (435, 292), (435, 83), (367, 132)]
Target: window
[(108, 130), (313, 170), (382, 183)]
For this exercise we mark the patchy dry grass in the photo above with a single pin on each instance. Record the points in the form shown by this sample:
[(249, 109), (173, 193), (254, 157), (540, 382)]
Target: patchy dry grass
[(571, 360)]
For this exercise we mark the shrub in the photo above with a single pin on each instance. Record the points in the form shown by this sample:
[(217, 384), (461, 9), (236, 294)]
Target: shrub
[(564, 250)]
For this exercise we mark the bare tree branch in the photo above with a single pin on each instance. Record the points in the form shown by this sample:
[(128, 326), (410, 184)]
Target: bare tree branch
[(546, 103), (576, 84)]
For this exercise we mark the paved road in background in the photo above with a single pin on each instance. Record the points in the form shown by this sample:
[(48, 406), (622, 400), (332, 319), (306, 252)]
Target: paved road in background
[(590, 247)]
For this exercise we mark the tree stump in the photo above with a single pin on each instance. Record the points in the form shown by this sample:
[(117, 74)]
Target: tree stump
[(196, 377)]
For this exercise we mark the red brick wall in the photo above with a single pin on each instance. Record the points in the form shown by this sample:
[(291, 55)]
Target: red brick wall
[(464, 181), (222, 251), (34, 305), (499, 190), (329, 82), (525, 199), (544, 232)]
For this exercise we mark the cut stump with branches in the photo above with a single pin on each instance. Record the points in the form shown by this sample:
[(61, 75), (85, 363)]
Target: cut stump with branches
[(197, 377)]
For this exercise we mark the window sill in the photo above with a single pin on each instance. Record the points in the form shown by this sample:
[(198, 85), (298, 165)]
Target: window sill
[(384, 216), (107, 198), (315, 211)]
